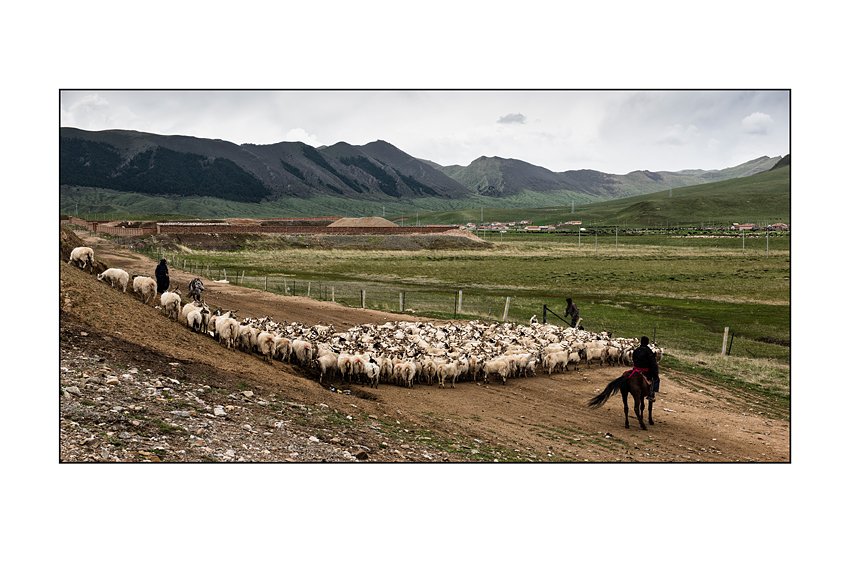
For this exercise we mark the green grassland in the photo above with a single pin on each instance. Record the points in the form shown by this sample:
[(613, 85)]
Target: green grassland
[(762, 197), (757, 198), (682, 289)]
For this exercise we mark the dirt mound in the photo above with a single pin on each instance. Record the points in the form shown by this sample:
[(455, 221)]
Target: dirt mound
[(68, 240), (363, 221)]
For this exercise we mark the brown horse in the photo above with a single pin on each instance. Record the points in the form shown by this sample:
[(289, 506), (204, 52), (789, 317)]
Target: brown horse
[(631, 382)]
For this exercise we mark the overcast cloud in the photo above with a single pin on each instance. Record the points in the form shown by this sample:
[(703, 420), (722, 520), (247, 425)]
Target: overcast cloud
[(610, 131)]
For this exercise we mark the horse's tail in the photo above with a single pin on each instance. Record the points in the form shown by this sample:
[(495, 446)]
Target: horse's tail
[(609, 390)]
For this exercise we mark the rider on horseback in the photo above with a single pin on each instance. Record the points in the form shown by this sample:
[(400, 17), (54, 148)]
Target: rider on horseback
[(644, 361)]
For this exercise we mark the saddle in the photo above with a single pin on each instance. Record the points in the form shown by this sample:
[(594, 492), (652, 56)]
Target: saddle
[(642, 373)]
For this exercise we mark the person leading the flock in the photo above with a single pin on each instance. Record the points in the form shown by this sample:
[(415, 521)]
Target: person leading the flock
[(644, 360), (572, 312), (161, 273)]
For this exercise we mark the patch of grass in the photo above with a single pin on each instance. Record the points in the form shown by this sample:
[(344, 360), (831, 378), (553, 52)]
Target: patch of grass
[(167, 428), (752, 384)]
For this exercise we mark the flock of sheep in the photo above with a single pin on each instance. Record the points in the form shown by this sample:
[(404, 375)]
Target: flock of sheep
[(398, 352)]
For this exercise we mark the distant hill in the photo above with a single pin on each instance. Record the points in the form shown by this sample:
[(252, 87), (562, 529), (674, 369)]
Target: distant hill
[(783, 162), (500, 177), (128, 171), (763, 199)]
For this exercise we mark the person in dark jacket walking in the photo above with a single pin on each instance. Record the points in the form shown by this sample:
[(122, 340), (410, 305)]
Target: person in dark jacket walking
[(644, 360), (161, 273), (572, 312)]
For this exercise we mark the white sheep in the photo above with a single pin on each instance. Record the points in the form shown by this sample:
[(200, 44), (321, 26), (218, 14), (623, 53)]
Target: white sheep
[(84, 255), (429, 370), (282, 348), (446, 371), (371, 371), (500, 366), (198, 319), (386, 372), (226, 328), (404, 371), (115, 276), (596, 351), (326, 364), (555, 360), (188, 308), (170, 302), (247, 338), (145, 287), (265, 345), (303, 351)]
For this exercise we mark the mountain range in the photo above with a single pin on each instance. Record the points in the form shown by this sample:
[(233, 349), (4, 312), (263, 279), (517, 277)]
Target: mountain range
[(268, 180)]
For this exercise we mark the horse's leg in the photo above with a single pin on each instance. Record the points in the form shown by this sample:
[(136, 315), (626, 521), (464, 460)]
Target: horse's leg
[(650, 413), (639, 409), (625, 405)]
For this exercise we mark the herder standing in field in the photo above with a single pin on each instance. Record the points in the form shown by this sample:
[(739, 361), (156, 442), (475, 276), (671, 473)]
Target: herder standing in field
[(644, 360), (572, 312), (161, 273)]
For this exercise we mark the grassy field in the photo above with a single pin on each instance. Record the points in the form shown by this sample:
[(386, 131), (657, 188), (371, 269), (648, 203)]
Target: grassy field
[(679, 288), (757, 198)]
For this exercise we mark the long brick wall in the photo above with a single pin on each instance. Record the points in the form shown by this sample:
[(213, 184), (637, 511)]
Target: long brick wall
[(243, 229), (225, 228), (100, 226)]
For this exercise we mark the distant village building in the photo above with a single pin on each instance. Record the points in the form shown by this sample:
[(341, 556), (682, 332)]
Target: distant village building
[(572, 222), (778, 226), (532, 228), (745, 226)]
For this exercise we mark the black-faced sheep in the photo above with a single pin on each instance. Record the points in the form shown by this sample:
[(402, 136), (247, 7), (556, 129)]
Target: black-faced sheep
[(115, 276)]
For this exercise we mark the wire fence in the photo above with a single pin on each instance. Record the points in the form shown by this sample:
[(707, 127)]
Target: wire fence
[(675, 334)]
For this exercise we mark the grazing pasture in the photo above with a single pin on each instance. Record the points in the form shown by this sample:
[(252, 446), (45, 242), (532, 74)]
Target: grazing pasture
[(680, 287)]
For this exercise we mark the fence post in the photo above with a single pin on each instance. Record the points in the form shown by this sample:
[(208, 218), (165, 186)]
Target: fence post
[(460, 301), (400, 302), (363, 299), (309, 284), (544, 313), (266, 285), (725, 337), (242, 281), (507, 304)]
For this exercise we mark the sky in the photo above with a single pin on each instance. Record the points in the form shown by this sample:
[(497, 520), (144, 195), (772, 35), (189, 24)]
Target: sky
[(614, 131)]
